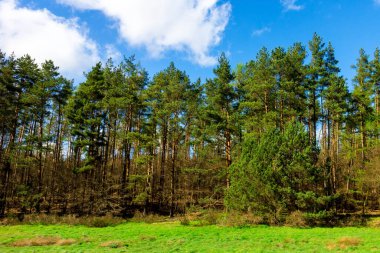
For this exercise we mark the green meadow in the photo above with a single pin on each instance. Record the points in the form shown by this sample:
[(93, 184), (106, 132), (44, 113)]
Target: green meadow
[(174, 237)]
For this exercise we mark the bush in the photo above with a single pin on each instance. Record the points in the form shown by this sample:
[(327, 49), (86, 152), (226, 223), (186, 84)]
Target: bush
[(184, 220), (238, 219), (147, 218), (210, 217), (101, 222), (322, 218), (374, 222), (296, 219)]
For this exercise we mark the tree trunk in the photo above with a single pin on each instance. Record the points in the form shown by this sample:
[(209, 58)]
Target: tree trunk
[(173, 178), (315, 118), (363, 135), (228, 156), (162, 163), (126, 165), (40, 166)]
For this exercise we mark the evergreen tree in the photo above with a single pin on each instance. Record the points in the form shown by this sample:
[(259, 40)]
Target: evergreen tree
[(125, 102), (221, 106), (168, 94), (258, 89), (123, 142), (275, 173), (290, 81), (8, 97), (316, 73), (375, 79), (86, 115), (334, 97), (362, 98)]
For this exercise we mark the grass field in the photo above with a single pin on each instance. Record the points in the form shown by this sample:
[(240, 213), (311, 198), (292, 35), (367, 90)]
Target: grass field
[(174, 237)]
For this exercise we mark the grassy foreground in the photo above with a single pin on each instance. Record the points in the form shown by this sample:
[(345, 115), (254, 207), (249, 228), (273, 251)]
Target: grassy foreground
[(174, 237)]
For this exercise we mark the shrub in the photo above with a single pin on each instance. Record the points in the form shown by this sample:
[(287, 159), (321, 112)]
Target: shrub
[(147, 218), (238, 219), (322, 218), (104, 221), (375, 222), (210, 218), (184, 220), (296, 219)]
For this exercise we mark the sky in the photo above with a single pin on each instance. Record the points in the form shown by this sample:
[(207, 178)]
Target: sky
[(76, 34)]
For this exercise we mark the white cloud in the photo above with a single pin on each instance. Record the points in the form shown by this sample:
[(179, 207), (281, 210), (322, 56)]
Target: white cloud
[(112, 52), (291, 5), (193, 26), (259, 32), (44, 36)]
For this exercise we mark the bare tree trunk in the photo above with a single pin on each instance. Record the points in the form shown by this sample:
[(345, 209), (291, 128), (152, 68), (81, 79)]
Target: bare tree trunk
[(173, 178), (162, 163), (228, 156), (126, 162), (363, 135), (40, 166), (315, 118)]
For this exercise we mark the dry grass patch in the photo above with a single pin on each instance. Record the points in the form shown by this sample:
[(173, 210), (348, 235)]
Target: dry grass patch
[(148, 238), (65, 242), (375, 223), (113, 244), (44, 219), (344, 243), (286, 242), (43, 241), (148, 218)]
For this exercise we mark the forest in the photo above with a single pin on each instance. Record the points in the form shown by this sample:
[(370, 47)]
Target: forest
[(281, 133)]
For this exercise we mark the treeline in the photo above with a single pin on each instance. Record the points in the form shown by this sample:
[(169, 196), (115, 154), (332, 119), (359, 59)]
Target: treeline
[(277, 134)]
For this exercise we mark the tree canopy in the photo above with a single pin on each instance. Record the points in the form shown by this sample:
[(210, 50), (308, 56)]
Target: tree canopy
[(281, 133)]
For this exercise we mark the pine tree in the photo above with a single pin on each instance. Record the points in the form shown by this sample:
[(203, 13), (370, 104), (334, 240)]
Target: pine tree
[(362, 98), (334, 98), (8, 97), (86, 115), (375, 79), (221, 106), (290, 74), (168, 94), (316, 73), (258, 89), (275, 174), (125, 105)]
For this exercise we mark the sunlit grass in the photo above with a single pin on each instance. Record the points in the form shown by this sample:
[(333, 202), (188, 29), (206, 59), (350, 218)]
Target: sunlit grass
[(174, 237)]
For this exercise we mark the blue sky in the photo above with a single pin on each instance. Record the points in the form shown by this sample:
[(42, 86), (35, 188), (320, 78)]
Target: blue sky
[(192, 33)]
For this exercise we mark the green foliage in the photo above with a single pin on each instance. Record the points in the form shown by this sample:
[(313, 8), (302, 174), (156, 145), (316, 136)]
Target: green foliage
[(123, 140), (275, 173)]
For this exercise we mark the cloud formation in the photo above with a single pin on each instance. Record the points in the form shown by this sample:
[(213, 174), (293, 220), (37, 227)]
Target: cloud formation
[(259, 32), (291, 5), (192, 26), (44, 36)]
